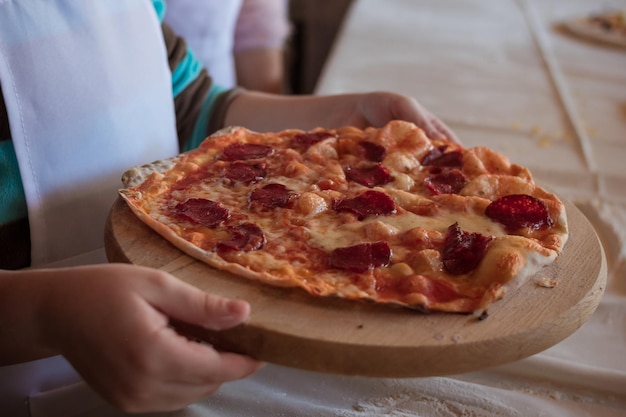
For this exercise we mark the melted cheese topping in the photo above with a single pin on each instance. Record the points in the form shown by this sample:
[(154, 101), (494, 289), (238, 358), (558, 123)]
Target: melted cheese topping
[(328, 236)]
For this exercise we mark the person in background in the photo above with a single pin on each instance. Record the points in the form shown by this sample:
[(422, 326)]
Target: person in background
[(79, 106), (240, 42)]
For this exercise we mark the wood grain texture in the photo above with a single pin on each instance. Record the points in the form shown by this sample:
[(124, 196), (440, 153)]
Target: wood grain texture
[(291, 328)]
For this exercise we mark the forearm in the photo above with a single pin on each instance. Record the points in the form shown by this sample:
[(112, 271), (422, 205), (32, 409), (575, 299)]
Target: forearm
[(267, 112), (260, 69), (111, 323), (21, 300)]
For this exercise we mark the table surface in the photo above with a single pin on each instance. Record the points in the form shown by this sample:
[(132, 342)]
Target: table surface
[(505, 74), (501, 73)]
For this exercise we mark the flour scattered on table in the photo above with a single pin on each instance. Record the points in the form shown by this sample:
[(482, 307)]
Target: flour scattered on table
[(442, 397), (547, 282)]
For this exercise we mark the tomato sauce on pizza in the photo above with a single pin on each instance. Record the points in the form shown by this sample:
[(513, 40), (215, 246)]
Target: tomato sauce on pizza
[(384, 215)]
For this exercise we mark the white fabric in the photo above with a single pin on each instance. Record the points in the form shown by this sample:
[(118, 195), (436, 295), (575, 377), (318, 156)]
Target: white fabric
[(74, 139), (209, 27), (216, 30), (88, 93)]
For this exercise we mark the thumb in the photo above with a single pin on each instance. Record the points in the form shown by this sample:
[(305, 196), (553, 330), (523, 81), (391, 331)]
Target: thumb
[(186, 303)]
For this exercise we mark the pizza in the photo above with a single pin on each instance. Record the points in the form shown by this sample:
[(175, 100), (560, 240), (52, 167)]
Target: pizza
[(383, 215), (608, 26)]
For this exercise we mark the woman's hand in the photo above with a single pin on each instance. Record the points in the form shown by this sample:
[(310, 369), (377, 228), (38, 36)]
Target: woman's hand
[(111, 322)]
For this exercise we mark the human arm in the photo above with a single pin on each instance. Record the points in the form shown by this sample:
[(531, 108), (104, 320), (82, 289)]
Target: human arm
[(266, 112), (260, 34), (111, 322), (261, 69), (271, 112)]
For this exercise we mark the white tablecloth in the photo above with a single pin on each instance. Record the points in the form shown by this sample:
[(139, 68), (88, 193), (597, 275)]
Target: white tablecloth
[(501, 73), (504, 74)]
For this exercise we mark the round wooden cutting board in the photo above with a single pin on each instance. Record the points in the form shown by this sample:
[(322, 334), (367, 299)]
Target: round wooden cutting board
[(291, 328)]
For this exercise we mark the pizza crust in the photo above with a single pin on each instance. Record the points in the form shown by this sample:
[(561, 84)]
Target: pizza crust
[(139, 174), (583, 27)]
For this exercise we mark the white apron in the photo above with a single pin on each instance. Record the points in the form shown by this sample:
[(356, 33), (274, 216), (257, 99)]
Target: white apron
[(88, 94)]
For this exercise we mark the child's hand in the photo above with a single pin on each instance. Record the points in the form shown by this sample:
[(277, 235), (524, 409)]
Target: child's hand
[(267, 112), (111, 323), (376, 109)]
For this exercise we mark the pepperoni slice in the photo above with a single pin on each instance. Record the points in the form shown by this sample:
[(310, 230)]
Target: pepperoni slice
[(272, 196), (463, 251), (303, 141), (515, 211), (360, 258), (439, 158), (373, 151), (245, 237), (370, 176), (202, 211), (370, 203), (245, 173), (244, 151), (449, 181)]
